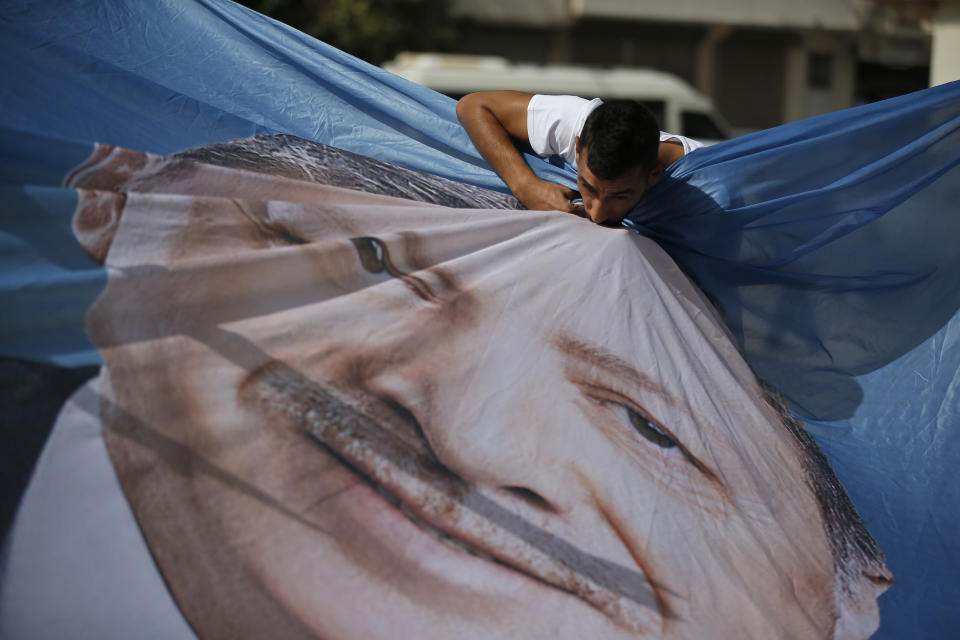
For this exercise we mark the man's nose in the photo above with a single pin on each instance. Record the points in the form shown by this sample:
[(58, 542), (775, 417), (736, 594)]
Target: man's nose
[(598, 212)]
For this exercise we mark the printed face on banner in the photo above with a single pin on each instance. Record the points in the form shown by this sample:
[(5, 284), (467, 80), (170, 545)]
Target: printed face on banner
[(347, 416)]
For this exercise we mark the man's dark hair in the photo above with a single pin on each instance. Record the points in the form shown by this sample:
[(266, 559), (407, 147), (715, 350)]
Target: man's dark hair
[(619, 135)]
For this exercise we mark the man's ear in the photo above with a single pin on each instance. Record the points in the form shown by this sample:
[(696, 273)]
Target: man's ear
[(655, 174)]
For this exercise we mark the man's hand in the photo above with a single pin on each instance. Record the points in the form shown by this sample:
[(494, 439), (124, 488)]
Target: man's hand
[(542, 195), (495, 120)]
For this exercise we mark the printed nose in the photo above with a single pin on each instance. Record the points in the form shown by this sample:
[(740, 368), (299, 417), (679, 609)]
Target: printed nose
[(505, 443)]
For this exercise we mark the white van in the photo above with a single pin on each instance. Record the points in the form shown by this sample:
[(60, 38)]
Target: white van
[(679, 108)]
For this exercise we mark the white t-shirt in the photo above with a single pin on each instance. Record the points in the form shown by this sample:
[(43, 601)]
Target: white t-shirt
[(554, 122)]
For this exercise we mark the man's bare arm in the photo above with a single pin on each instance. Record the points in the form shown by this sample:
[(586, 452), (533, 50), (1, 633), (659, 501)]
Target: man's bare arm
[(495, 121)]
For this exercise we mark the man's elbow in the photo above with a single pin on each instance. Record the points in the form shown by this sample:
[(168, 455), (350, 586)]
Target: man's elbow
[(467, 105)]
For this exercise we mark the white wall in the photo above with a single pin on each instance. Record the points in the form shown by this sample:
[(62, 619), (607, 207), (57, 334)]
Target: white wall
[(945, 59), (800, 100)]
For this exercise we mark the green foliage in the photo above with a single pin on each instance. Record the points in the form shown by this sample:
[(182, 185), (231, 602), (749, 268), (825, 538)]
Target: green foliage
[(374, 30)]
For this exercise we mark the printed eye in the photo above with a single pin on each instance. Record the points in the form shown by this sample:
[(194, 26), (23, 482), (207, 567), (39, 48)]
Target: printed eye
[(375, 258), (650, 430), (372, 253)]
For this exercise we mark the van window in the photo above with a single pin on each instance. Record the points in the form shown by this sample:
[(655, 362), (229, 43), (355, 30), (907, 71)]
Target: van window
[(699, 125)]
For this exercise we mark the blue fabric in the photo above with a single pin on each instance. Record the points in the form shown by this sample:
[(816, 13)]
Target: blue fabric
[(828, 243), (47, 281), (167, 75)]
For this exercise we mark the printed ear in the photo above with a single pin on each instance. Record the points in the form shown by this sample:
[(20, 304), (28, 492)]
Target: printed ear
[(95, 221), (100, 181), (858, 614), (107, 168)]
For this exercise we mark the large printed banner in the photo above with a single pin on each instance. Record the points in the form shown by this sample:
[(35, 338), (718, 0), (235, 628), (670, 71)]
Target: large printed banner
[(338, 386), (338, 414)]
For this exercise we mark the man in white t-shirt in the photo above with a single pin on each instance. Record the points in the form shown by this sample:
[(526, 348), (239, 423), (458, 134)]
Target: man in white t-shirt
[(617, 147)]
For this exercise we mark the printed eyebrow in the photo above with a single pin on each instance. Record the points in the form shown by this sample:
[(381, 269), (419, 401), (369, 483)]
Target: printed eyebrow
[(596, 356), (275, 231), (615, 366)]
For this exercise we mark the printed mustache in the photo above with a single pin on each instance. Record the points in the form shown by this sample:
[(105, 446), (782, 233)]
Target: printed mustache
[(412, 478)]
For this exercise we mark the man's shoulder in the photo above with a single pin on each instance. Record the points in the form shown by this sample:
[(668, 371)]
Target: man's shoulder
[(554, 122), (559, 108), (562, 102), (689, 144)]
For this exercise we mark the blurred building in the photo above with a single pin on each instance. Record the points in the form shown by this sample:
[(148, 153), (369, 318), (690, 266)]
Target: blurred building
[(762, 63)]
